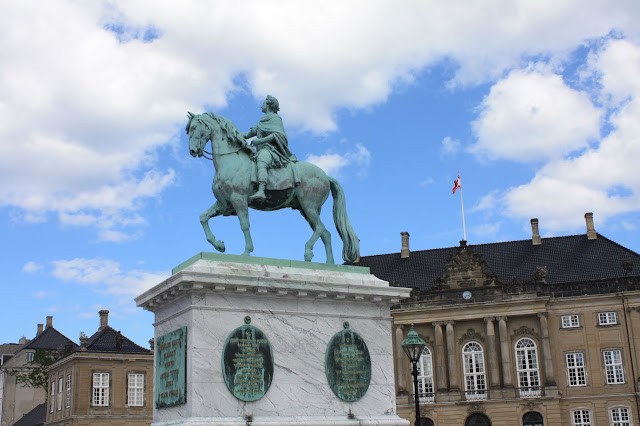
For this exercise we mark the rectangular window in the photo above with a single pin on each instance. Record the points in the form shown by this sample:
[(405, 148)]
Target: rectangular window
[(620, 417), (60, 393), (53, 394), (607, 318), (613, 366), (581, 417), (68, 404), (575, 369), (101, 389), (29, 356), (570, 321), (135, 394)]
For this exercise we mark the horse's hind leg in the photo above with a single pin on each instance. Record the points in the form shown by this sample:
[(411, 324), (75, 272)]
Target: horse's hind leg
[(214, 210), (312, 215)]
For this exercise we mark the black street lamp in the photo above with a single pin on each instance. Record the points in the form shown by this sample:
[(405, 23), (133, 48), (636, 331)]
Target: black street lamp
[(413, 346)]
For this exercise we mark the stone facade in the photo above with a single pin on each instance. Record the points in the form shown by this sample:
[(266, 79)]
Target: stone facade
[(108, 380), (77, 406), (529, 350)]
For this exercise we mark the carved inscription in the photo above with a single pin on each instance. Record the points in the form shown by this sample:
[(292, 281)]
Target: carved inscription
[(171, 355), (348, 365), (247, 363)]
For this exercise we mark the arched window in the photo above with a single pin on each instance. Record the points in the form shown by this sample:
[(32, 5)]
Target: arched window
[(474, 375), (425, 376), (424, 421), (620, 416), (532, 419), (527, 367), (477, 419)]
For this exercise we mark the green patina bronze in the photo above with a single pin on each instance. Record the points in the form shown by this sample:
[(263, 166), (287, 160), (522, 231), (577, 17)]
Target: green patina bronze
[(348, 365), (247, 362), (269, 178), (171, 368)]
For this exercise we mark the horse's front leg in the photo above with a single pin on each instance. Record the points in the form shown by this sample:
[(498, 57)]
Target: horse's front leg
[(240, 205), (214, 210)]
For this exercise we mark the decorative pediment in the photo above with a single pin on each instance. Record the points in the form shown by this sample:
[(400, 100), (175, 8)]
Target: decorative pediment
[(466, 269), (471, 334), (524, 331)]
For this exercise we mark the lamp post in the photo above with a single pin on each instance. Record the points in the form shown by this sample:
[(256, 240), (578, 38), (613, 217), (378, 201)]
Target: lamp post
[(413, 346)]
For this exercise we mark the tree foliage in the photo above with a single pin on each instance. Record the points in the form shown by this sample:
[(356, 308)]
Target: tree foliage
[(34, 373)]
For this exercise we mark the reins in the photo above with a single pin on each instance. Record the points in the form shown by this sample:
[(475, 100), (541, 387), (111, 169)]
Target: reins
[(211, 153)]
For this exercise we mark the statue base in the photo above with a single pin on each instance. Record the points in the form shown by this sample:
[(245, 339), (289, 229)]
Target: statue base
[(299, 307)]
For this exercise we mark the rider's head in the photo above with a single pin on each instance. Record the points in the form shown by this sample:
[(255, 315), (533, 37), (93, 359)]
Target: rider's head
[(272, 103)]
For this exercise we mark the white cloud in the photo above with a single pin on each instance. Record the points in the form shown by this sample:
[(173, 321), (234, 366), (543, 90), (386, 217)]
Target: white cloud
[(332, 163), (105, 276), (531, 116), (450, 146), (31, 267), (87, 96), (604, 178)]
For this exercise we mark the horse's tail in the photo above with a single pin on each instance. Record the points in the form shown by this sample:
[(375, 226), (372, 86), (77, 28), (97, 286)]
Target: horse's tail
[(350, 241)]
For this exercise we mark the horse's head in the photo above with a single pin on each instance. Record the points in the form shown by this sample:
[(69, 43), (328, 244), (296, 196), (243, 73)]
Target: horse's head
[(199, 134)]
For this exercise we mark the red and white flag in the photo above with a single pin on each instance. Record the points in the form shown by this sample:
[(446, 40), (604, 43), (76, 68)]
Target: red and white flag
[(456, 184)]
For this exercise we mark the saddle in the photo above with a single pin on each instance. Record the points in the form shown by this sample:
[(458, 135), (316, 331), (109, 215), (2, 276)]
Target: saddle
[(278, 178)]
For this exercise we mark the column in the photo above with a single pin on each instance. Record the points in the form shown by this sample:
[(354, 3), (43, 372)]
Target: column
[(453, 356), (505, 352), (401, 358), (442, 381), (492, 354), (549, 378)]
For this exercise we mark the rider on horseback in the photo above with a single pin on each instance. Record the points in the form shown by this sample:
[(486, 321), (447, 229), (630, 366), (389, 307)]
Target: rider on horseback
[(271, 144)]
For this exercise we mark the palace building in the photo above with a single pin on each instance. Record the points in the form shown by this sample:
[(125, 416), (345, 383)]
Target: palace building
[(542, 331)]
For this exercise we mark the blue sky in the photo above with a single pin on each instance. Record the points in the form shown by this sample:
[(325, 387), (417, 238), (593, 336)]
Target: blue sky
[(536, 105)]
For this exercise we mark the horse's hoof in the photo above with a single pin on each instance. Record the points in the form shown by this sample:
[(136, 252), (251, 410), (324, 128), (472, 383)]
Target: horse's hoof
[(219, 245), (308, 255)]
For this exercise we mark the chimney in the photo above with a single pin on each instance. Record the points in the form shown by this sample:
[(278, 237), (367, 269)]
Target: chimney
[(39, 329), (404, 252), (104, 319), (49, 322), (535, 239), (591, 232)]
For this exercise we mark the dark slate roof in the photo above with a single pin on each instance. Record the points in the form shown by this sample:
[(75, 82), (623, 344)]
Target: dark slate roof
[(50, 338), (35, 417), (106, 340), (568, 259)]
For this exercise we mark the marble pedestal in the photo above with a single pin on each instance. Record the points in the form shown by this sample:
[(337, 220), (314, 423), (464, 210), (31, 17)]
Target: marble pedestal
[(299, 306)]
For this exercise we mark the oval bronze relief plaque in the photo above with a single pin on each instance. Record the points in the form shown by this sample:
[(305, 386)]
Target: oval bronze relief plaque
[(348, 365), (247, 362)]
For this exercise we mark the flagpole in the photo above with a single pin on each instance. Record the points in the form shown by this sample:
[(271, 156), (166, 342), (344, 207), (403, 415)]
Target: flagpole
[(464, 228)]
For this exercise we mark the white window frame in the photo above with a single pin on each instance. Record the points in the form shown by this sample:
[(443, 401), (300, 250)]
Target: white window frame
[(581, 417), (475, 378), (527, 368), (576, 371), (613, 368), (68, 403), (29, 356), (620, 416), (53, 394), (135, 389), (607, 318), (570, 321), (60, 388), (425, 377), (100, 389)]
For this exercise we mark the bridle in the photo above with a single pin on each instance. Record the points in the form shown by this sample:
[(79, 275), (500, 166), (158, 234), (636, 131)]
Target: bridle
[(211, 153)]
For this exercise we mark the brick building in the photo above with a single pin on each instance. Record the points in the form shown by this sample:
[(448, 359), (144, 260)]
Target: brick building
[(108, 380), (543, 331)]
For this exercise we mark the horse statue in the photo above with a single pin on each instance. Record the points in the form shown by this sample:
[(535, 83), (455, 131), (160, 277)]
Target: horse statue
[(232, 187)]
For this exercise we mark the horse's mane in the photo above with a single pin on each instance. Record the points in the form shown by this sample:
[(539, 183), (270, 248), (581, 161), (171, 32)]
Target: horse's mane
[(232, 133)]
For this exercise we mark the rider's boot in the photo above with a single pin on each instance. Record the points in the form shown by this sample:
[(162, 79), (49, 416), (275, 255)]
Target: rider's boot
[(259, 195), (262, 182)]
